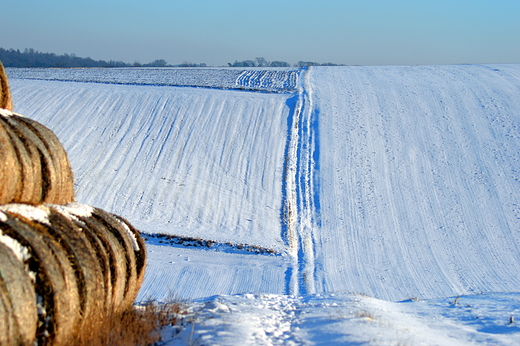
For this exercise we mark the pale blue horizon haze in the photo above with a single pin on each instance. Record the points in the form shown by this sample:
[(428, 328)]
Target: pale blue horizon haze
[(369, 32)]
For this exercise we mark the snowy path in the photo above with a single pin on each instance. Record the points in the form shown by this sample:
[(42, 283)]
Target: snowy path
[(350, 320), (300, 203)]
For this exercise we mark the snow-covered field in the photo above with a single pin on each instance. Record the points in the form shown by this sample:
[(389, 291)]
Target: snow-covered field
[(266, 80), (315, 206)]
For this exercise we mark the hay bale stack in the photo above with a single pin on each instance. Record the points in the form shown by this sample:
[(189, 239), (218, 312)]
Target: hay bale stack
[(81, 262), (117, 244), (35, 167)]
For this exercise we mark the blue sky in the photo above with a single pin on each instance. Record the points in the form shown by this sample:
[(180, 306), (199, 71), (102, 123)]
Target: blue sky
[(357, 32)]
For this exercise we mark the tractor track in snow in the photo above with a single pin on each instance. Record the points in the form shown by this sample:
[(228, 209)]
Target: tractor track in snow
[(300, 207)]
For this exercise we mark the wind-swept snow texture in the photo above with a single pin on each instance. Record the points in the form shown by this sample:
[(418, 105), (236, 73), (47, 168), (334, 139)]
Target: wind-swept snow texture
[(394, 182)]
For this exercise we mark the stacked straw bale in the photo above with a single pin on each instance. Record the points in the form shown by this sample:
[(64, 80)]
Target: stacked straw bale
[(35, 168), (63, 265)]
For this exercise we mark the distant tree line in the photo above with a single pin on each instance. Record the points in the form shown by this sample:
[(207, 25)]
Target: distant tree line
[(163, 63), (261, 62), (32, 58), (312, 63)]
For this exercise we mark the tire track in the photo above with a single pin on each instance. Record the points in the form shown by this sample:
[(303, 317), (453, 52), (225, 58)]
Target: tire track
[(301, 206)]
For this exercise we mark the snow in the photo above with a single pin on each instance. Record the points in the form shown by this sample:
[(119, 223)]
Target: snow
[(20, 251), (266, 80), (7, 113), (380, 193), (74, 209), (186, 273), (35, 213), (170, 159), (419, 169), (346, 319)]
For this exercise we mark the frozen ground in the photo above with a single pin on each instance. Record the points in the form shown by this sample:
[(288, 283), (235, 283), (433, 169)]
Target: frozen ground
[(316, 190)]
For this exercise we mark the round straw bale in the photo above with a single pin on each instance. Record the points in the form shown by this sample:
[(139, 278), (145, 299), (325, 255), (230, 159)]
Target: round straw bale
[(18, 312), (60, 179), (139, 248), (28, 183), (37, 161), (123, 246), (83, 259), (120, 249), (55, 278), (110, 251), (105, 256), (29, 161), (6, 101), (135, 251), (11, 177)]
